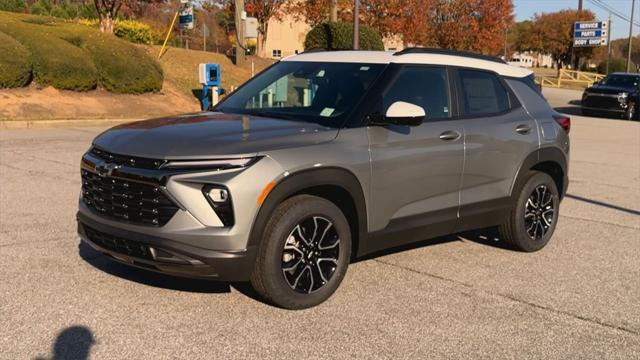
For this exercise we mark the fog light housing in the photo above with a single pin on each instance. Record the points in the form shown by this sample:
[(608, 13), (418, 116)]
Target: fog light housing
[(219, 198)]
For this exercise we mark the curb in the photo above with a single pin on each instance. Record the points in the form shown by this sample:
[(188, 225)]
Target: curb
[(34, 124)]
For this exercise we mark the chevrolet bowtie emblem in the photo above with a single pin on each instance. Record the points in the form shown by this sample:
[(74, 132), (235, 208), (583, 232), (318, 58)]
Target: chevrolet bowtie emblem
[(107, 169)]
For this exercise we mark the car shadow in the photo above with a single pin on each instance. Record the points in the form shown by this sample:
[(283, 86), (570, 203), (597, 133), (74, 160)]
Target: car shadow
[(488, 236), (147, 277), (73, 342)]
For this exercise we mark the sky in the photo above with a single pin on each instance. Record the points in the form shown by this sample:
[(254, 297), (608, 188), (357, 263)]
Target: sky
[(525, 9)]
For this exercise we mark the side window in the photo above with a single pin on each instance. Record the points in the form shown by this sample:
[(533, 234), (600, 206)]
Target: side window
[(427, 87), (482, 93)]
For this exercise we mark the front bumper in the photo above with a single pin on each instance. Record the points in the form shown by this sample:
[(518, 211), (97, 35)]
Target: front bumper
[(165, 255)]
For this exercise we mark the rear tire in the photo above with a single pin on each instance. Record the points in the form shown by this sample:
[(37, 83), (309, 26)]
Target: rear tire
[(304, 253), (534, 215)]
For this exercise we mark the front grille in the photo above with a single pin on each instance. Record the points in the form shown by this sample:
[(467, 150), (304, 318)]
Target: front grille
[(131, 201), (122, 246), (133, 161), (602, 102)]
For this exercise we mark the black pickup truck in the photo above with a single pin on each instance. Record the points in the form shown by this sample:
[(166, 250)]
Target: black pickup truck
[(618, 93)]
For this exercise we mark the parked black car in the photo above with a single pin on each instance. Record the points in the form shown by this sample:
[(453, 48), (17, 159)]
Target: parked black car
[(618, 93)]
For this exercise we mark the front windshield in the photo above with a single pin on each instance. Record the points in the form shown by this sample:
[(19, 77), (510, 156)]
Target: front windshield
[(318, 92), (624, 81)]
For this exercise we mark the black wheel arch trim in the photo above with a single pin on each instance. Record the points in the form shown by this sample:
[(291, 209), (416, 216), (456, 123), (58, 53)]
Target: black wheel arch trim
[(549, 154), (306, 179)]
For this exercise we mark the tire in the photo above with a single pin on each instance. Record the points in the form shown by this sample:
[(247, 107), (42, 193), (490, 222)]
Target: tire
[(530, 225), (288, 279)]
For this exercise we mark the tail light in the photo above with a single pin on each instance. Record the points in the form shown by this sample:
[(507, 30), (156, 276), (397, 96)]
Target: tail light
[(564, 122)]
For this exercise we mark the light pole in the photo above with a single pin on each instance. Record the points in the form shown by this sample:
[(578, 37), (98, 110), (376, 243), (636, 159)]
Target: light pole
[(356, 24), (633, 3), (240, 55)]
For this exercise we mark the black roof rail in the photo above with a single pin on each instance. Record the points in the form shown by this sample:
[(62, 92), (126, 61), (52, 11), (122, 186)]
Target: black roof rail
[(421, 50)]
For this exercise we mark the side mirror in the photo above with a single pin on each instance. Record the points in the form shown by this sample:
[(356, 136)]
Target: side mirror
[(404, 113)]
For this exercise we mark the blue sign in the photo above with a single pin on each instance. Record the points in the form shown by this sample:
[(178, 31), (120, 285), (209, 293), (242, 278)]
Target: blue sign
[(590, 33), (587, 33), (589, 25)]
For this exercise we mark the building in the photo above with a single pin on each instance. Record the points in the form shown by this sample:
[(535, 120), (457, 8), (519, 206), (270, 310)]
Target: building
[(285, 37)]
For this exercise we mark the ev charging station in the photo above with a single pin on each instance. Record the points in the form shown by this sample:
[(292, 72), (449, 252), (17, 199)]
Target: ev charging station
[(209, 76)]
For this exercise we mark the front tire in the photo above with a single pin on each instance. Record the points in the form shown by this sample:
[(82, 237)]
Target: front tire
[(534, 215), (304, 253)]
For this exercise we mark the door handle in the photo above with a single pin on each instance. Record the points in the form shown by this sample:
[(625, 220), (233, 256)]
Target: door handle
[(450, 135), (523, 129)]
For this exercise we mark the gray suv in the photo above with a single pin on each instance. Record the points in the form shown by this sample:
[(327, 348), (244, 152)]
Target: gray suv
[(325, 157)]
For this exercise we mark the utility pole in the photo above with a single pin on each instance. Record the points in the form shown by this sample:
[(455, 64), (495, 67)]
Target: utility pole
[(356, 24), (334, 11), (240, 55), (579, 5), (608, 42), (633, 4), (506, 29)]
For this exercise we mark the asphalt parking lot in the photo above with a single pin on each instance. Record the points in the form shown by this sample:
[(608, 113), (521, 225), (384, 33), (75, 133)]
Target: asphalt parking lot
[(457, 297)]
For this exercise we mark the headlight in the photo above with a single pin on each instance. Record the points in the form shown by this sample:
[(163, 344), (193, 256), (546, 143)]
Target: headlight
[(622, 98), (220, 164)]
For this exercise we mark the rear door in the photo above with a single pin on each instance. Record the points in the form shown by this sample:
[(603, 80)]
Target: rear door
[(416, 170), (499, 134)]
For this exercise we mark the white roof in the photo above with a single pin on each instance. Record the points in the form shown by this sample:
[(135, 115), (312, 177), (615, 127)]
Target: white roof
[(384, 57)]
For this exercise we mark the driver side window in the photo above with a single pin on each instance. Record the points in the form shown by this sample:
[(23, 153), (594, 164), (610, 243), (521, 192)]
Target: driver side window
[(427, 87)]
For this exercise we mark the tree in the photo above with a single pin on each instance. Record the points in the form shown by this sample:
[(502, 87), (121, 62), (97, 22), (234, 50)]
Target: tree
[(107, 11), (314, 12), (635, 49), (408, 19), (552, 33), (473, 25)]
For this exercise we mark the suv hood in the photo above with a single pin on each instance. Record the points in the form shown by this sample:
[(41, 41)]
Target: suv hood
[(605, 89), (210, 134)]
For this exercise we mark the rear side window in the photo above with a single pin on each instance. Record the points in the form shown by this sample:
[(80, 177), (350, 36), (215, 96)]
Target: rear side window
[(427, 87), (482, 93)]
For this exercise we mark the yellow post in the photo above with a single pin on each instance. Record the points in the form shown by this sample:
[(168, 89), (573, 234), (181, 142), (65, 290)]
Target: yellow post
[(166, 39)]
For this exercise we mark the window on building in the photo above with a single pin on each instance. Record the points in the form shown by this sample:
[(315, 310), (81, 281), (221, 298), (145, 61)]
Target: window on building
[(277, 53)]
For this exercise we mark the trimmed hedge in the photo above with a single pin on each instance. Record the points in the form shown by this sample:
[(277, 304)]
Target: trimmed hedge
[(76, 57), (122, 67), (339, 36), (134, 31), (56, 62), (15, 66)]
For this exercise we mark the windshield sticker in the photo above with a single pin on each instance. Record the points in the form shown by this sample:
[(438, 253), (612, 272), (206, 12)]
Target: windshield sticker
[(364, 68), (320, 73), (326, 112)]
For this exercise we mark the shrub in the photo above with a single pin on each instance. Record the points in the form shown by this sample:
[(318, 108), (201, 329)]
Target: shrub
[(12, 5), (55, 62), (15, 66), (76, 57), (122, 67), (134, 31), (615, 64), (339, 36)]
